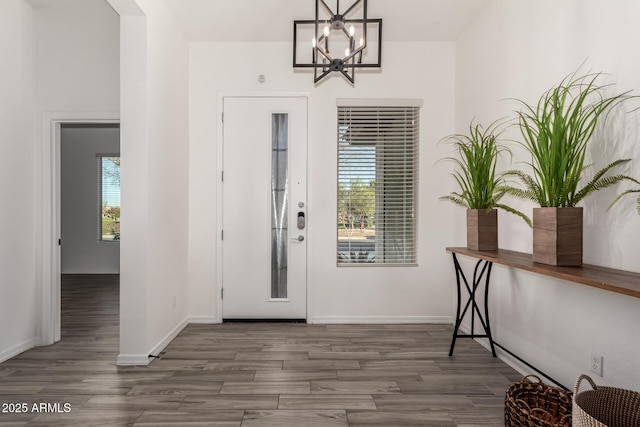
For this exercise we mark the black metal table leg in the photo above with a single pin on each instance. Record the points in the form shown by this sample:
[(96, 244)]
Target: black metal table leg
[(482, 269)]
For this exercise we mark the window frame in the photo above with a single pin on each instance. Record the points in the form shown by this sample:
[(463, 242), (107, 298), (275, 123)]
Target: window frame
[(413, 107), (100, 157)]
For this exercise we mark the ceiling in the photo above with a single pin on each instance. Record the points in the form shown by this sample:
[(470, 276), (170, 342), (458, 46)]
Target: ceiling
[(272, 20)]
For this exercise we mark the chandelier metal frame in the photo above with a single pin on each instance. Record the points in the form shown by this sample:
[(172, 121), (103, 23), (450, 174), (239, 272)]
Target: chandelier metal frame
[(342, 24)]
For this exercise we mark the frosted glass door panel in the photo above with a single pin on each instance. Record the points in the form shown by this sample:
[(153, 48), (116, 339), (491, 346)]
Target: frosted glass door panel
[(279, 206)]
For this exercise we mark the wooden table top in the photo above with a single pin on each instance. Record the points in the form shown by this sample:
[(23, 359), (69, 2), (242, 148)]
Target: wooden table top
[(619, 281)]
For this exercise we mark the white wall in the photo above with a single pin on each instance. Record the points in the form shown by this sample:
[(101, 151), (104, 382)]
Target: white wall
[(168, 170), (18, 298), (77, 56), (154, 179), (82, 252), (133, 185), (410, 70), (518, 50)]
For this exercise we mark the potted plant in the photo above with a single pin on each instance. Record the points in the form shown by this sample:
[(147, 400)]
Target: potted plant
[(480, 187), (556, 132)]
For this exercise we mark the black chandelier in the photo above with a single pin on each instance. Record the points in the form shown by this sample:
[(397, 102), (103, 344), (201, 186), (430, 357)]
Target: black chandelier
[(338, 40)]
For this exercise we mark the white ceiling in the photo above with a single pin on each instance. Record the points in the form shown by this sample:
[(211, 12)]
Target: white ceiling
[(272, 20)]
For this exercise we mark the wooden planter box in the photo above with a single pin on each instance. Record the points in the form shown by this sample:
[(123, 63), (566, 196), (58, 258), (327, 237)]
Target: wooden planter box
[(482, 229), (557, 236)]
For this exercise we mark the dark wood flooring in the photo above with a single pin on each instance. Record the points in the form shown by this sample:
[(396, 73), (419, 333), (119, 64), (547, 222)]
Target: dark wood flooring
[(251, 374)]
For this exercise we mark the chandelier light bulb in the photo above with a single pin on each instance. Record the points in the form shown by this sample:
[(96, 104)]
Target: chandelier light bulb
[(326, 30), (361, 41), (352, 30), (313, 42), (347, 52)]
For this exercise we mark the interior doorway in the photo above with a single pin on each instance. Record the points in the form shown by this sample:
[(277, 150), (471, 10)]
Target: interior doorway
[(52, 202), (89, 231)]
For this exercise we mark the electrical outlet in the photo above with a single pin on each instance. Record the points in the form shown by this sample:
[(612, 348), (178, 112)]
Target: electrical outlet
[(596, 364)]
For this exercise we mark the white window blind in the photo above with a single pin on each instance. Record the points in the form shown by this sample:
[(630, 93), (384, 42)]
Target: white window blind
[(377, 184), (109, 197)]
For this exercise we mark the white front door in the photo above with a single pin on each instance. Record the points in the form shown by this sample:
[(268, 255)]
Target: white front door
[(264, 212)]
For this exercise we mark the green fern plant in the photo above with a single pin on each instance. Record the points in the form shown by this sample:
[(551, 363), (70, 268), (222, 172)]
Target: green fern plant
[(556, 133), (621, 195), (480, 186)]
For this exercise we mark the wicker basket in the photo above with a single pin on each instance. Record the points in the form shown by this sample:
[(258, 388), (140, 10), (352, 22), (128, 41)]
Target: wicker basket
[(535, 404), (605, 406)]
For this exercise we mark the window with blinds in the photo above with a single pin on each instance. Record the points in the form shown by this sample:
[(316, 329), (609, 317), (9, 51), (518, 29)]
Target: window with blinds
[(109, 198), (377, 184)]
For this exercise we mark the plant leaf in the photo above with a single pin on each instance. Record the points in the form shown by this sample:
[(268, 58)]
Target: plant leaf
[(515, 212), (556, 132)]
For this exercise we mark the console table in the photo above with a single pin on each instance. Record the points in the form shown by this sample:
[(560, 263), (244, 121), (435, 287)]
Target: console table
[(608, 279)]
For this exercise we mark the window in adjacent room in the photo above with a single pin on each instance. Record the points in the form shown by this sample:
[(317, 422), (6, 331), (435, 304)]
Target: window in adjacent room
[(377, 183), (109, 198)]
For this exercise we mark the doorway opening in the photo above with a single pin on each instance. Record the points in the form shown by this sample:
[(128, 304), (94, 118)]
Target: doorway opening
[(90, 231), (55, 125)]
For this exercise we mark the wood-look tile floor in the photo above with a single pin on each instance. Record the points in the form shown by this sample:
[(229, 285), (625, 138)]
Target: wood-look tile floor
[(252, 374)]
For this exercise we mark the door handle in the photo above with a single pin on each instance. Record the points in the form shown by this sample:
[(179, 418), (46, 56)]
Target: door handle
[(300, 238)]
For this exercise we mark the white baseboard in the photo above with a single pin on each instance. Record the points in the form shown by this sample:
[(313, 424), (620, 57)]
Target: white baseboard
[(133, 360), (520, 367), (145, 359), (507, 358), (203, 320), (17, 349), (395, 320), (523, 369), (170, 336)]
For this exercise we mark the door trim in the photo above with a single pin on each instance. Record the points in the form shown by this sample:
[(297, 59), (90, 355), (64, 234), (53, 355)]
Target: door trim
[(50, 273), (219, 168)]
